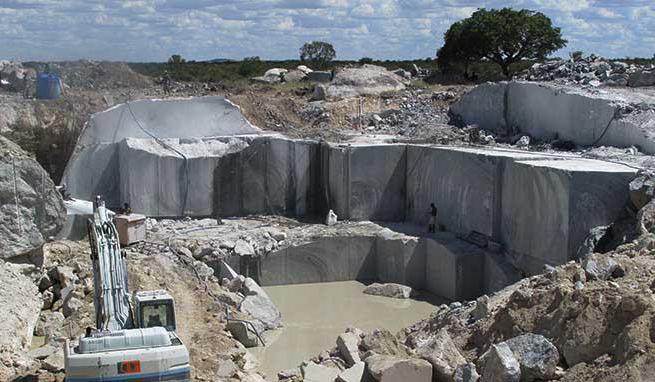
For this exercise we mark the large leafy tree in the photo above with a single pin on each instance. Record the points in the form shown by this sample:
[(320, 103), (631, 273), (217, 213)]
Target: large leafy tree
[(317, 52), (503, 36)]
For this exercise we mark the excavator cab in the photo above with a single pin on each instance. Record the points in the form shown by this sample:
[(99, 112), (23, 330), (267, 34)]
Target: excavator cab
[(155, 308)]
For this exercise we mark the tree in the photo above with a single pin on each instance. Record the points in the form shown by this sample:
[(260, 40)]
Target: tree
[(365, 60), (317, 52), (176, 59), (502, 36)]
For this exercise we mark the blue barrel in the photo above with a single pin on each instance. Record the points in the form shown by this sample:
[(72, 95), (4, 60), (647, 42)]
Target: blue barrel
[(48, 86)]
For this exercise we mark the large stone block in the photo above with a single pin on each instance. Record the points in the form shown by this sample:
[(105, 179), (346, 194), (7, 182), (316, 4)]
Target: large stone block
[(401, 260), (454, 268), (550, 206)]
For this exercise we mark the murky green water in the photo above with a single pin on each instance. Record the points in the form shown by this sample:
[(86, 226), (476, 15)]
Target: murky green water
[(315, 314)]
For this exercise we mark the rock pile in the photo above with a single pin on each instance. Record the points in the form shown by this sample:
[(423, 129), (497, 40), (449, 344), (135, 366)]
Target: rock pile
[(31, 209), (14, 76), (594, 71)]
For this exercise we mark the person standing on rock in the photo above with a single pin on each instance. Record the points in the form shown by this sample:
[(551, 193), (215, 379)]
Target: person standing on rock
[(432, 227)]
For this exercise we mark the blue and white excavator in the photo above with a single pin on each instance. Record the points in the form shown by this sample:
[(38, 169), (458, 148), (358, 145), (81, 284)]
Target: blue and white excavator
[(127, 345)]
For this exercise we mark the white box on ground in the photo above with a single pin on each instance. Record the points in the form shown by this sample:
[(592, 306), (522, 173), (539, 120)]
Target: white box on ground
[(131, 228)]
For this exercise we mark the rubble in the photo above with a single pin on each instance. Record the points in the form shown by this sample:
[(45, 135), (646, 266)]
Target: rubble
[(594, 71)]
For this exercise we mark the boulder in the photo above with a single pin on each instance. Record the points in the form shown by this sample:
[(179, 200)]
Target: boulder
[(320, 76), (642, 190), (642, 78), (21, 304), (389, 290), (71, 305), (49, 325), (366, 80), (275, 72), (54, 362), (294, 76), (481, 309), (353, 374), (348, 345), (384, 343), (31, 209), (313, 372), (319, 93), (617, 79), (599, 267), (304, 69), (466, 373), (242, 333), (66, 276), (537, 356), (260, 307), (498, 364), (442, 354), (386, 368), (243, 248)]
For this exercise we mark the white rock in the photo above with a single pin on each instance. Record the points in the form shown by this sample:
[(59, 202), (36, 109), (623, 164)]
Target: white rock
[(442, 354), (243, 248), (389, 290), (20, 303), (348, 345), (261, 308)]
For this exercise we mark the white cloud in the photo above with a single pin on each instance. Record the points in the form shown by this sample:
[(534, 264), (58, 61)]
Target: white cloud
[(151, 30)]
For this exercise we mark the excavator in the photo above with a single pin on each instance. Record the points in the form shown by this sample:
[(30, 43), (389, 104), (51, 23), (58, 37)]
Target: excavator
[(127, 344)]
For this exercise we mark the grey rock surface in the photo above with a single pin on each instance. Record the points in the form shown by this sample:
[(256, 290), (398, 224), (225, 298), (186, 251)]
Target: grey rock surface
[(353, 374), (443, 355), (599, 267), (386, 368), (31, 209), (313, 372), (466, 373), (499, 364), (366, 80), (320, 76), (260, 307), (389, 290), (21, 305), (537, 356), (242, 333), (547, 111), (348, 345), (382, 342)]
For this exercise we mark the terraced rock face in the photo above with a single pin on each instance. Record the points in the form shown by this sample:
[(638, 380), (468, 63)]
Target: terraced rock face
[(585, 117), (31, 209)]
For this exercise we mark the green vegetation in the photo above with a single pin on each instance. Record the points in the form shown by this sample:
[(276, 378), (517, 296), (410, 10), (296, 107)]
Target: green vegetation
[(505, 37)]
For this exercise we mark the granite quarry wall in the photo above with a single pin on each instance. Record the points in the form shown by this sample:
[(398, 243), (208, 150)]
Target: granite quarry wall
[(547, 111), (538, 207)]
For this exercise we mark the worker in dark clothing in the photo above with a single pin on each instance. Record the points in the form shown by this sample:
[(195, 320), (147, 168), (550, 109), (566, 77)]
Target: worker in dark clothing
[(166, 83), (125, 210), (432, 227)]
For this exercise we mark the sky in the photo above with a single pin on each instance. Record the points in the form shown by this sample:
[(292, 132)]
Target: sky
[(152, 30)]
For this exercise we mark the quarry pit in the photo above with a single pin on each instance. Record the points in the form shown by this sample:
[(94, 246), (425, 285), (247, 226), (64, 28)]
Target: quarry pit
[(255, 202)]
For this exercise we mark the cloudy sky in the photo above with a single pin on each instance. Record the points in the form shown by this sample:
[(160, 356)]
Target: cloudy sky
[(152, 30)]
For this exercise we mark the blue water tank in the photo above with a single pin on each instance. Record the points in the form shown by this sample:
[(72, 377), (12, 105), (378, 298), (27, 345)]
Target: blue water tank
[(48, 86)]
